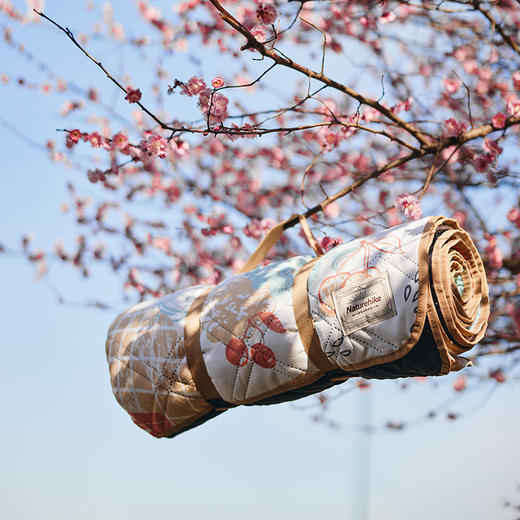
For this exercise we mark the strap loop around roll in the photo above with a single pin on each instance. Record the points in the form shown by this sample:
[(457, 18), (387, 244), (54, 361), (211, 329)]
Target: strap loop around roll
[(193, 352), (302, 313)]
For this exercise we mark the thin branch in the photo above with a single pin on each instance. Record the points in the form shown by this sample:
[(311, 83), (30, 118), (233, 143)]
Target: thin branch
[(72, 38), (324, 43), (307, 170), (431, 173), (495, 25)]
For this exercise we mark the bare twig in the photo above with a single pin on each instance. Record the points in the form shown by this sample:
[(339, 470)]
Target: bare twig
[(495, 25), (324, 43), (72, 38)]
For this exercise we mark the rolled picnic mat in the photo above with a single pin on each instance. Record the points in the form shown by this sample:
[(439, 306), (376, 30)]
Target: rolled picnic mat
[(403, 302)]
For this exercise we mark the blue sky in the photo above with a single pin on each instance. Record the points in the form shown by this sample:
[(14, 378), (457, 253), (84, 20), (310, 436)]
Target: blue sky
[(70, 452)]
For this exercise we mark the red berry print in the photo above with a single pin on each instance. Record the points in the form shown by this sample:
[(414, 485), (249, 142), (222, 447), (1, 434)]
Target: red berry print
[(236, 352), (262, 355), (272, 322)]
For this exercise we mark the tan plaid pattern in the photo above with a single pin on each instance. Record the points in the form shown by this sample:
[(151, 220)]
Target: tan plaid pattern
[(148, 370)]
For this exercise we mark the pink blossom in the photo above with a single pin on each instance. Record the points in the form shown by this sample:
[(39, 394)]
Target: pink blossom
[(332, 210), (96, 175), (460, 217), (162, 243), (516, 79), (96, 140), (460, 384), (451, 85), (217, 82), (425, 70), (405, 105), (453, 127), (409, 206), (499, 120), (493, 252), (371, 114), (387, 17), (181, 148), (498, 375), (466, 154), (133, 95), (482, 161), (119, 141), (463, 53), (156, 146), (514, 216), (450, 154), (258, 228), (327, 243), (491, 146), (266, 14), (513, 107), (214, 104), (194, 87), (74, 136), (93, 94), (258, 33), (328, 138)]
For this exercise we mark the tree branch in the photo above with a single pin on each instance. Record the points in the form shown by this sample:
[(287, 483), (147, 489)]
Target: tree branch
[(253, 43)]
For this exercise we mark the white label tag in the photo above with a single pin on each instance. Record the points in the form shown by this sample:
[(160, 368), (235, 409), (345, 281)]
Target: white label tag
[(366, 303)]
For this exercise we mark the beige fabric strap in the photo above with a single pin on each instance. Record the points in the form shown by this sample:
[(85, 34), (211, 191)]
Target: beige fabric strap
[(193, 351), (273, 236), (302, 313), (263, 248), (311, 239)]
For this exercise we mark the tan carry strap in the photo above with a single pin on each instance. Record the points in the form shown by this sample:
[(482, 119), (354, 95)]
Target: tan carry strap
[(193, 352), (311, 239), (264, 247), (302, 313), (273, 236)]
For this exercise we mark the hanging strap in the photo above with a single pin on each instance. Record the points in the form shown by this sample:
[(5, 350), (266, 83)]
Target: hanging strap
[(264, 247), (311, 239), (273, 236)]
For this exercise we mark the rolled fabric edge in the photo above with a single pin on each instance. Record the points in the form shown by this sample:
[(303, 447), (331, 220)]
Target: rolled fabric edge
[(458, 319)]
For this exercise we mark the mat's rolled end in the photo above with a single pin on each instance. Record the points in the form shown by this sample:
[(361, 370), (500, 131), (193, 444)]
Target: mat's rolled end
[(458, 306)]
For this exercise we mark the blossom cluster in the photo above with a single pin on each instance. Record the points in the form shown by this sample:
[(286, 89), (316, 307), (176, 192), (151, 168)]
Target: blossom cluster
[(212, 104), (409, 206)]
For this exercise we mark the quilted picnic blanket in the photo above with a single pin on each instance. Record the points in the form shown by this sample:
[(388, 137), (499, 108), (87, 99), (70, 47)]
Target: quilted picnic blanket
[(406, 301)]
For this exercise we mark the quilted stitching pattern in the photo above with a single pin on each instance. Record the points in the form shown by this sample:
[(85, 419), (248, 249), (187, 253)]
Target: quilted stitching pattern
[(150, 378), (234, 310), (395, 252)]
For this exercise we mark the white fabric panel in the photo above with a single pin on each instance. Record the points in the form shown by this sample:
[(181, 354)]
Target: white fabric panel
[(393, 252)]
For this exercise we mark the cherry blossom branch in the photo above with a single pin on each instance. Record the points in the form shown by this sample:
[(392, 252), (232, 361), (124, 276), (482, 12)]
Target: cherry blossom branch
[(433, 170), (253, 43), (442, 143), (250, 131), (72, 38)]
